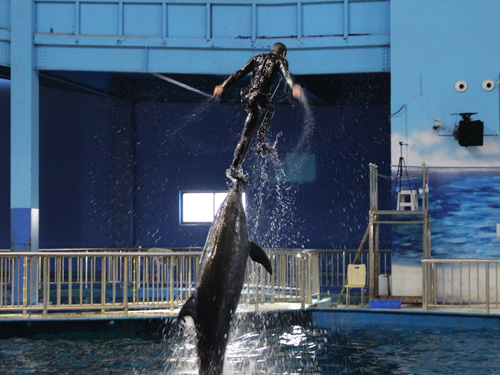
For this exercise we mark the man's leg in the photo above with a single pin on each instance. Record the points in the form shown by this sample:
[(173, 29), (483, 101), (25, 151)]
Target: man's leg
[(249, 130), (262, 147)]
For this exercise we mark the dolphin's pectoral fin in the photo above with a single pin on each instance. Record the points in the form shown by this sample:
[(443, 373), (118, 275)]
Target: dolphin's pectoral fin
[(258, 255), (189, 309)]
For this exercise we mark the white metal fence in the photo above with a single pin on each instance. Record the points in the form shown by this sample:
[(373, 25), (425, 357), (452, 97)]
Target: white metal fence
[(123, 280), (98, 280), (461, 283)]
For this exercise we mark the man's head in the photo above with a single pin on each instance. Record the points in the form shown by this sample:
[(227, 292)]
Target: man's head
[(279, 49)]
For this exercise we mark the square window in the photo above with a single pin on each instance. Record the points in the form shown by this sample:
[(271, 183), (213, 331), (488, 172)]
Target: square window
[(197, 207), (201, 208)]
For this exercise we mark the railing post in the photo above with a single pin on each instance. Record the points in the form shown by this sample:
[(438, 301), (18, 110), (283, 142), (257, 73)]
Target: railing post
[(125, 285), (425, 282), (25, 285), (343, 267), (257, 289), (487, 269), (70, 280), (103, 284), (372, 218), (46, 286), (171, 283), (58, 275), (302, 273), (371, 260), (273, 277), (308, 277)]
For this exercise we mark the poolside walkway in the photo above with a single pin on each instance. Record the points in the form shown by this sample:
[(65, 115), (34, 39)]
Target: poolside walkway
[(149, 313), (325, 303)]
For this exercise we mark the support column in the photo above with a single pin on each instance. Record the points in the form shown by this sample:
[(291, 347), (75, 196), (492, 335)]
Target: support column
[(24, 158), (24, 129)]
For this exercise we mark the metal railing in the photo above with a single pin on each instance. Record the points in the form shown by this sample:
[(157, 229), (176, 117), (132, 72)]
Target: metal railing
[(461, 283), (332, 265), (294, 279), (103, 281), (120, 281)]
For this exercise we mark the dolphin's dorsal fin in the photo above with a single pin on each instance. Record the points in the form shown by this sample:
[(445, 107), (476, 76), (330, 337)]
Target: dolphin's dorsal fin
[(258, 255), (189, 309)]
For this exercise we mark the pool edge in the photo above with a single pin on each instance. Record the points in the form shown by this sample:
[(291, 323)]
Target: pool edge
[(156, 326)]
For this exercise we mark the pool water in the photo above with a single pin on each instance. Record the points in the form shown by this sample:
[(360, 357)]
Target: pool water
[(264, 349)]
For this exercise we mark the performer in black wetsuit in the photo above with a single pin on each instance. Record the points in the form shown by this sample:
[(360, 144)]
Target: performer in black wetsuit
[(267, 68)]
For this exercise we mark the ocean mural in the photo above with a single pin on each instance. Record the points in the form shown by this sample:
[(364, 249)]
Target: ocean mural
[(464, 205)]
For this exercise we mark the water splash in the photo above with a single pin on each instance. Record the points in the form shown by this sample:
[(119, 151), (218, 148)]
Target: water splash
[(273, 220), (272, 214), (183, 358), (307, 129), (193, 118), (199, 130)]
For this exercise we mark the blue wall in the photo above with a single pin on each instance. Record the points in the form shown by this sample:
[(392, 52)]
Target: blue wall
[(81, 175), (88, 161), (82, 198), (179, 152), (434, 45)]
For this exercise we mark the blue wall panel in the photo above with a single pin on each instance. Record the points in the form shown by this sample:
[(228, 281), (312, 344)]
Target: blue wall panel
[(4, 14), (142, 19), (369, 18), (187, 20), (276, 21), (99, 19), (55, 17), (238, 21), (341, 60), (323, 19), (115, 59)]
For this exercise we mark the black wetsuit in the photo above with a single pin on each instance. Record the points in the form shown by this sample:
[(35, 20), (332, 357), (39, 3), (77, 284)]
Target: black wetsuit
[(267, 68)]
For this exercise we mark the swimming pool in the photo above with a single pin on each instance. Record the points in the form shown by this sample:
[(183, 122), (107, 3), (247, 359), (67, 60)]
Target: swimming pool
[(266, 344)]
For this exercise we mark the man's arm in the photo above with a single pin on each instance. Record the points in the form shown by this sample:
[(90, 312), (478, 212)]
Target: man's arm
[(297, 91), (233, 78)]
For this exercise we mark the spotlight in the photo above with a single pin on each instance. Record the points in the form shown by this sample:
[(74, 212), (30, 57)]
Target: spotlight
[(469, 132)]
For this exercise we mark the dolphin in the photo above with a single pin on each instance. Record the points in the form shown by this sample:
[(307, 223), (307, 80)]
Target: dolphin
[(222, 270)]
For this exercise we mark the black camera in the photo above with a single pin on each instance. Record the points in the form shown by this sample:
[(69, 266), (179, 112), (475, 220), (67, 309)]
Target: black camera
[(469, 132)]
